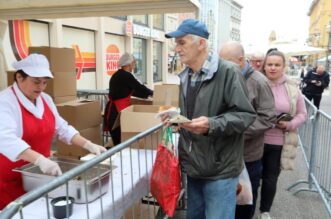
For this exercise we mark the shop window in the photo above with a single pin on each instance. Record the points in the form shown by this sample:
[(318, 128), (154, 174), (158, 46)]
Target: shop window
[(158, 21), (139, 52), (157, 61), (140, 19)]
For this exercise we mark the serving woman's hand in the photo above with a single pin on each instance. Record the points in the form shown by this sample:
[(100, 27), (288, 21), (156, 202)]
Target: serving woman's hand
[(94, 148), (48, 166)]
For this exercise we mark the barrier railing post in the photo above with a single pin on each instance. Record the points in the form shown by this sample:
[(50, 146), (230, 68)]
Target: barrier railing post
[(312, 165)]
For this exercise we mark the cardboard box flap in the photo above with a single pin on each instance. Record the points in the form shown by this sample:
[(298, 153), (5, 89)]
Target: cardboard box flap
[(81, 114), (166, 94), (138, 118), (140, 101), (60, 59), (76, 102), (63, 84)]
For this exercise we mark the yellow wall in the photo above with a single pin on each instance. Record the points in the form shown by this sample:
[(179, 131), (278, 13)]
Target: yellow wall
[(320, 18)]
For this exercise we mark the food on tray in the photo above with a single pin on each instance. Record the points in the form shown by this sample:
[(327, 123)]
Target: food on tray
[(163, 108), (174, 114), (171, 111), (179, 119)]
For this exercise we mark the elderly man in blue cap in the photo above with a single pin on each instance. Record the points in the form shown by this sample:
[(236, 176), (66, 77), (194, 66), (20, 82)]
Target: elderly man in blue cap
[(214, 97)]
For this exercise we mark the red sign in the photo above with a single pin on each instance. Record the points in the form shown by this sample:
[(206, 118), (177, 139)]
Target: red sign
[(112, 58), (128, 28)]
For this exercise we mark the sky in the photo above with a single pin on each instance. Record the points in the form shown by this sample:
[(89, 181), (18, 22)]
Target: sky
[(288, 18)]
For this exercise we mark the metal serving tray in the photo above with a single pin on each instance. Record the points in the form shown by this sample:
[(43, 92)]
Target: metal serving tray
[(34, 178)]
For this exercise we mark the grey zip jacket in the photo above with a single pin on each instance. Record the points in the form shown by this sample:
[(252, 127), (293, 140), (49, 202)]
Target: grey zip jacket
[(223, 98), (262, 99)]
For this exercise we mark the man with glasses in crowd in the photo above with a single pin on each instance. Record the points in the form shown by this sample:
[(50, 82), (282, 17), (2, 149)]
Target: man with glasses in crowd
[(256, 61)]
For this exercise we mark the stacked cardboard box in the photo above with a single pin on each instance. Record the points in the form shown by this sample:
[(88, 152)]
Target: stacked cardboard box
[(62, 87), (10, 77), (85, 116), (138, 118), (140, 210), (140, 101)]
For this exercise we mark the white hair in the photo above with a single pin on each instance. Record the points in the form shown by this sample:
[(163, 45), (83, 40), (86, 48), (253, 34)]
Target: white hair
[(126, 59), (196, 39)]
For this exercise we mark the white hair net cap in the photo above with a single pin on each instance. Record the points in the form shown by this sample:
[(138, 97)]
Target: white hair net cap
[(35, 65), (126, 59)]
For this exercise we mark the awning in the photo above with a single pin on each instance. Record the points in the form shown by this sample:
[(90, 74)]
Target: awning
[(288, 48), (41, 9)]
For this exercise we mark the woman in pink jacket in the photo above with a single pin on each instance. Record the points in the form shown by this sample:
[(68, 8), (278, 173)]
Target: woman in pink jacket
[(280, 143)]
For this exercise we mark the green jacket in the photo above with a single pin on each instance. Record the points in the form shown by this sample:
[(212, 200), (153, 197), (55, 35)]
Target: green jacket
[(223, 98)]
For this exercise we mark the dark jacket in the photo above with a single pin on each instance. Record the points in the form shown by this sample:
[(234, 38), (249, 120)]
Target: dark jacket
[(123, 83), (312, 88), (222, 97)]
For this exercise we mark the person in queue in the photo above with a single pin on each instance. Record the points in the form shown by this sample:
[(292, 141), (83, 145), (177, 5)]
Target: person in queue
[(280, 142), (262, 99), (122, 85), (315, 82), (256, 61), (28, 122), (214, 97)]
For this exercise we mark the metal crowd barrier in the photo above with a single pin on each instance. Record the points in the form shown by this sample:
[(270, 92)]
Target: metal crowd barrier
[(128, 192), (315, 141), (101, 95)]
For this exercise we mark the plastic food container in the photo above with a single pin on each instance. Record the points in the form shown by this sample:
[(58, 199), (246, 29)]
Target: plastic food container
[(62, 206)]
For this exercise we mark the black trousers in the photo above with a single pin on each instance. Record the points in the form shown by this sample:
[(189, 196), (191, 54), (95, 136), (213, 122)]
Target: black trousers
[(315, 97), (116, 135), (270, 174)]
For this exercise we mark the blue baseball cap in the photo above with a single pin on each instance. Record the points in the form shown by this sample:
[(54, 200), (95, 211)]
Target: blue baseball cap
[(190, 26)]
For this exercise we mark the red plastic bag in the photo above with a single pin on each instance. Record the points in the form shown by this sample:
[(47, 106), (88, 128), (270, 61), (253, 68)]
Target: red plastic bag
[(165, 179)]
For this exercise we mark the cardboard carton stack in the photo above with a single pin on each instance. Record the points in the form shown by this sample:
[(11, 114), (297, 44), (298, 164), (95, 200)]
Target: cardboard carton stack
[(85, 116), (140, 210), (140, 101), (138, 118), (10, 77), (62, 87)]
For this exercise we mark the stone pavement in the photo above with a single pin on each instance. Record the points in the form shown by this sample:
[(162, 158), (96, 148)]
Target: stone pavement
[(304, 205)]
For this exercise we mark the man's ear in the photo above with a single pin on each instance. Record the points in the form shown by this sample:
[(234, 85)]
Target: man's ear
[(202, 43), (242, 60)]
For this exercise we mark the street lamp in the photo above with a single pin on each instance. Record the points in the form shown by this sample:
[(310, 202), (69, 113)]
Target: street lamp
[(328, 49)]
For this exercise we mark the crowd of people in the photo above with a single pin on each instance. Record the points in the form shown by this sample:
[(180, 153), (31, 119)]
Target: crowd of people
[(234, 105)]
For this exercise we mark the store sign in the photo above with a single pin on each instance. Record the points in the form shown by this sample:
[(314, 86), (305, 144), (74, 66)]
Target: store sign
[(112, 58), (128, 28), (155, 34), (146, 32)]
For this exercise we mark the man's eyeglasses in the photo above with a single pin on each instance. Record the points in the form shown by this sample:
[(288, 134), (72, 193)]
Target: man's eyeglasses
[(256, 60)]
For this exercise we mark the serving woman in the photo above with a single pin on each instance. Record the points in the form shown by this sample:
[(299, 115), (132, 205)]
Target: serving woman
[(28, 122), (122, 86)]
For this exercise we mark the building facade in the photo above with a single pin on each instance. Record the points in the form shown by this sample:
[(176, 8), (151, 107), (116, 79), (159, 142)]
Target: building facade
[(320, 28), (98, 43), (229, 21), (209, 15)]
